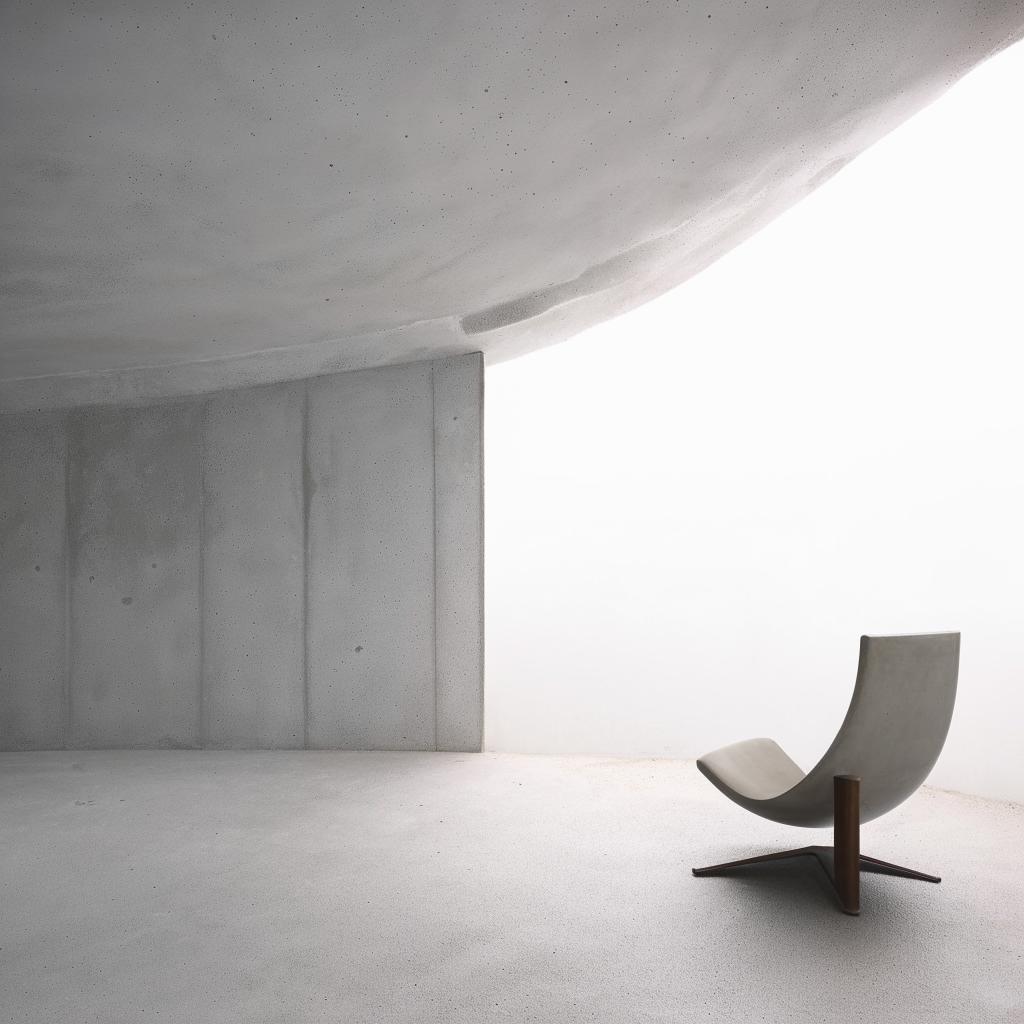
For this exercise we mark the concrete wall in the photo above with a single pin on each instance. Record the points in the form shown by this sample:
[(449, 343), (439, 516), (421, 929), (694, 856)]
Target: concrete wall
[(286, 566)]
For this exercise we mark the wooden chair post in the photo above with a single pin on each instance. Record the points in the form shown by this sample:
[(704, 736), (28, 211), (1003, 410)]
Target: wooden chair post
[(846, 841)]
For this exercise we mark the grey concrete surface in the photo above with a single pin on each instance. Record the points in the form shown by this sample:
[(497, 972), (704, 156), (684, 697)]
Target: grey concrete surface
[(219, 886), (32, 581), (459, 545), (134, 561), (371, 560), (252, 569), (201, 196)]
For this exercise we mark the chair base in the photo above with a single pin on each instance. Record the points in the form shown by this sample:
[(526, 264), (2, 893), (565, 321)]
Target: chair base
[(843, 862), (825, 856)]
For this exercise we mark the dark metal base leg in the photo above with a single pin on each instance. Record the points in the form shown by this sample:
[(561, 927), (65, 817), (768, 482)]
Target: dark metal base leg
[(721, 869), (846, 836), (883, 867), (825, 856)]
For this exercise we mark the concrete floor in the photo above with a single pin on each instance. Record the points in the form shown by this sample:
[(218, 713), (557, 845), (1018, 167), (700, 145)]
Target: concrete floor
[(241, 887)]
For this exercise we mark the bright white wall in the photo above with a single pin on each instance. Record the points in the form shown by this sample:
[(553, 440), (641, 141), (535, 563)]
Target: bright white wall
[(694, 511)]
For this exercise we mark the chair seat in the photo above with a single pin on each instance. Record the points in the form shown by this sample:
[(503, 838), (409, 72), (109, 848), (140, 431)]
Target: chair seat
[(757, 769)]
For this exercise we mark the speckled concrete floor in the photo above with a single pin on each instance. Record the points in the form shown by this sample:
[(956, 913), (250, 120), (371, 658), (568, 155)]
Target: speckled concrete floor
[(244, 887)]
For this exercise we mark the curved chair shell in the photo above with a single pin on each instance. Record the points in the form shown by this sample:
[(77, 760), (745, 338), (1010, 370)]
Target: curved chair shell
[(891, 737)]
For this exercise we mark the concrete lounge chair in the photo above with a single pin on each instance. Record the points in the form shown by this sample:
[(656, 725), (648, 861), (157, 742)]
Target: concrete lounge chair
[(892, 735)]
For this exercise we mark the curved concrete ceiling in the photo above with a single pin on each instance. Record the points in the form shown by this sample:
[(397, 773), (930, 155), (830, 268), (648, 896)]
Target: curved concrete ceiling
[(203, 195)]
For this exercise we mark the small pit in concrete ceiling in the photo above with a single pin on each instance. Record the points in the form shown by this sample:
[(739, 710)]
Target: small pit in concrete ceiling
[(200, 198)]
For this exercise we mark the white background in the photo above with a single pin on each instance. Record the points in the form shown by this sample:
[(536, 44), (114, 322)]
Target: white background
[(694, 511)]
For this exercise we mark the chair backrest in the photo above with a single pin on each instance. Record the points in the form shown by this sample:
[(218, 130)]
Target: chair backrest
[(893, 732)]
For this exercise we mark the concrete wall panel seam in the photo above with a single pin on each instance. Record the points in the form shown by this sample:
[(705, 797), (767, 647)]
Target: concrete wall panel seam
[(433, 468), (202, 726), (67, 709), (306, 493)]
